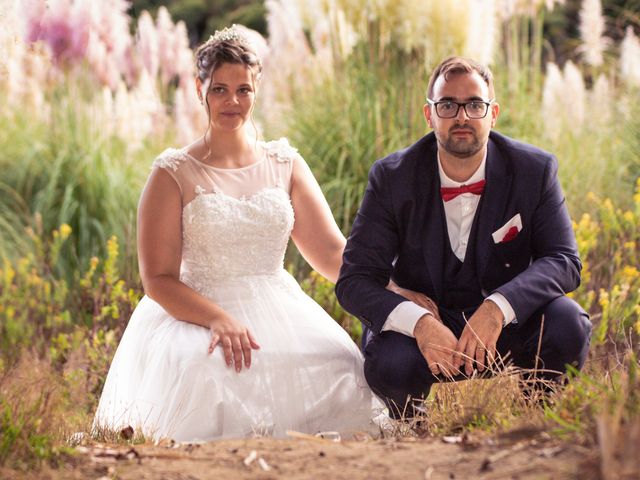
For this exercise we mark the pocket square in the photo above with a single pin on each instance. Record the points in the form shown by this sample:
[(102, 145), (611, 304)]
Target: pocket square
[(509, 230)]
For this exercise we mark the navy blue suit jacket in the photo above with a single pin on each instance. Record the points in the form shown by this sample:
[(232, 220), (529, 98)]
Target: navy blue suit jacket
[(400, 228)]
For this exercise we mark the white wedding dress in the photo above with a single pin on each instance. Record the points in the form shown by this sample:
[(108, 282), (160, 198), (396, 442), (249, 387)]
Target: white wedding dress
[(307, 376)]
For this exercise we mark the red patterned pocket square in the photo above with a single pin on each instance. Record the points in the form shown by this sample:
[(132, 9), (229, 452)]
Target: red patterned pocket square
[(510, 235), (509, 230)]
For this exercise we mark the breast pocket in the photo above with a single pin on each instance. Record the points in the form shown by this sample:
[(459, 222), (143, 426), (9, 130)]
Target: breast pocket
[(514, 255)]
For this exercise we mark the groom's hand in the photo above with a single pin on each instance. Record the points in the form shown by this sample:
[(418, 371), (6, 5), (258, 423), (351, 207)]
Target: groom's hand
[(479, 337), (437, 344)]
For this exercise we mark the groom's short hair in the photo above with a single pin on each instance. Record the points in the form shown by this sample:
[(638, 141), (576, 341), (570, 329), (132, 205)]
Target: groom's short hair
[(460, 65)]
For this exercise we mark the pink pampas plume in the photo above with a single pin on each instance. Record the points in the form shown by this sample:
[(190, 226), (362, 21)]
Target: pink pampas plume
[(57, 24), (147, 44)]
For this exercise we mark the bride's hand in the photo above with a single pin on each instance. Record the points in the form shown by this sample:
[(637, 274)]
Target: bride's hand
[(416, 297), (236, 340)]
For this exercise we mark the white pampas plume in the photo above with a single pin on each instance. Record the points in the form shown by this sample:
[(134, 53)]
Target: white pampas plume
[(507, 9), (256, 40), (286, 30), (188, 115), (289, 59), (164, 30), (147, 44), (138, 112), (528, 8), (563, 100), (185, 69), (551, 4), (601, 101), (630, 58), (575, 95), (347, 36), (592, 26), (483, 31), (552, 101)]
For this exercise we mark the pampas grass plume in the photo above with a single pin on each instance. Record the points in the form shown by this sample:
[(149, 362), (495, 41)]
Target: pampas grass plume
[(552, 101), (483, 31), (574, 94), (592, 27), (630, 58)]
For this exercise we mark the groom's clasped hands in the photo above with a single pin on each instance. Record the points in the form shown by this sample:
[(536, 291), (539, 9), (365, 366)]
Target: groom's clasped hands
[(448, 356)]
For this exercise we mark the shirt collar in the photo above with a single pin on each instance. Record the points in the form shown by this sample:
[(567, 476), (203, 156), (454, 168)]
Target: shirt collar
[(478, 175)]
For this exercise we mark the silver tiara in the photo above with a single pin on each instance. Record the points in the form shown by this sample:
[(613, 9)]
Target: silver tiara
[(229, 34)]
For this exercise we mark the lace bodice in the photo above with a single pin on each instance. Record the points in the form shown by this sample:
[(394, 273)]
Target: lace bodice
[(235, 222)]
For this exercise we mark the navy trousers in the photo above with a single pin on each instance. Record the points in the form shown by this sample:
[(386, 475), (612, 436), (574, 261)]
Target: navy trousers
[(396, 370)]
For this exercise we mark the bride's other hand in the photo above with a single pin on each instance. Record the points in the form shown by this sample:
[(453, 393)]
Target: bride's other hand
[(236, 340), (416, 297)]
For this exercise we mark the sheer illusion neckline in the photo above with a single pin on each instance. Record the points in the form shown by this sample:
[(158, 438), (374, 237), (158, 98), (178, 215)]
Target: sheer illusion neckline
[(261, 159)]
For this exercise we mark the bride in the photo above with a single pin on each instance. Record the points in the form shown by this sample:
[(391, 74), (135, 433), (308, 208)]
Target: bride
[(225, 343)]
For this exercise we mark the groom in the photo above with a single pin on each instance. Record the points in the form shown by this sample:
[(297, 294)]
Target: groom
[(477, 223)]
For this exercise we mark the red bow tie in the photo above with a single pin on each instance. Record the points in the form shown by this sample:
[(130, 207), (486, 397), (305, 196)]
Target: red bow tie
[(449, 193)]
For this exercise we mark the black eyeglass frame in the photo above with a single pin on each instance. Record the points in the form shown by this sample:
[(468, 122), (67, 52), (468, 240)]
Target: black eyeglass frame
[(487, 104)]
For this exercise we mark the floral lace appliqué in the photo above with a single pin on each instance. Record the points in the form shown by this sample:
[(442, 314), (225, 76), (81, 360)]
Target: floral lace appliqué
[(229, 241), (170, 158), (281, 150)]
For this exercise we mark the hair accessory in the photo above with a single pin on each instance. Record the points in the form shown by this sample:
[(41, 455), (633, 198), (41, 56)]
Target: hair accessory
[(229, 34)]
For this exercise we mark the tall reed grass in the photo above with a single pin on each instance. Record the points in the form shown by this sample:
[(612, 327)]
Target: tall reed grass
[(63, 169), (367, 110)]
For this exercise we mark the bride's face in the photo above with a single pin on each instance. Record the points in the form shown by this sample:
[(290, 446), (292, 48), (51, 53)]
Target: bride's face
[(230, 96)]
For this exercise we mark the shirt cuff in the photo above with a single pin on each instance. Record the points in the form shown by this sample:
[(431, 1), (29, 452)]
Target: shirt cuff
[(504, 306), (404, 317)]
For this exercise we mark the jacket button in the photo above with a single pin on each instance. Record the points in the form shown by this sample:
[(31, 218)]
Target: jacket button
[(508, 265)]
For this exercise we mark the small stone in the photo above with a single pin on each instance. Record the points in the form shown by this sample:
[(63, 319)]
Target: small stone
[(127, 433)]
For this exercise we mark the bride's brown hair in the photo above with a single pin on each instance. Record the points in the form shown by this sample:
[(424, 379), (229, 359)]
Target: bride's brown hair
[(226, 46)]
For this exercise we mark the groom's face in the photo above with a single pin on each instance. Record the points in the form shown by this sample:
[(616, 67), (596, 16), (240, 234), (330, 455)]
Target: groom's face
[(461, 135)]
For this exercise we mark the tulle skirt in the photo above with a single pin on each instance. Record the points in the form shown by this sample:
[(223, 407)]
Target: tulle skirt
[(307, 375)]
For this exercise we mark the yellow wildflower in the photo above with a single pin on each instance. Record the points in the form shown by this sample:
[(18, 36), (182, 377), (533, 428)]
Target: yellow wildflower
[(630, 272), (65, 231), (608, 205), (604, 299), (8, 273)]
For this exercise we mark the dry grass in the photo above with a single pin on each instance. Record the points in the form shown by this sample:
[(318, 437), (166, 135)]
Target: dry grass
[(42, 408)]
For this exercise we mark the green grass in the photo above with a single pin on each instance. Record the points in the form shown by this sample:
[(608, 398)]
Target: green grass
[(62, 170)]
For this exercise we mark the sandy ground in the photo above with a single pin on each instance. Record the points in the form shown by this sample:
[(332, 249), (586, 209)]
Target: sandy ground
[(518, 455)]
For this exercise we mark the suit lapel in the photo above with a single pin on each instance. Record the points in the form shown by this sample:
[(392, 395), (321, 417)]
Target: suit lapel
[(495, 196), (434, 219)]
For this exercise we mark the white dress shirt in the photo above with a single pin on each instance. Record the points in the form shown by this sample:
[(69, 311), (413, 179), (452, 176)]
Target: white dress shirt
[(459, 213)]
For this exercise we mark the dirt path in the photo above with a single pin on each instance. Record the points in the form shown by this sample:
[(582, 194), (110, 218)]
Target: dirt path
[(522, 457)]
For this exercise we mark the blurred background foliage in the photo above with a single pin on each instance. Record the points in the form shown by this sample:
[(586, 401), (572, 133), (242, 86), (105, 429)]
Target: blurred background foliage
[(203, 17)]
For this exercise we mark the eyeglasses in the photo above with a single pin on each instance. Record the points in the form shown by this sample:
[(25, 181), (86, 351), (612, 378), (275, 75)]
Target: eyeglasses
[(449, 109)]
